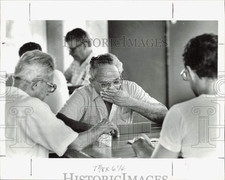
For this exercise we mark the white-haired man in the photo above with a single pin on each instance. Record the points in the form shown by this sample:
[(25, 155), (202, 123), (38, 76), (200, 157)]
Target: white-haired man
[(110, 97), (34, 129)]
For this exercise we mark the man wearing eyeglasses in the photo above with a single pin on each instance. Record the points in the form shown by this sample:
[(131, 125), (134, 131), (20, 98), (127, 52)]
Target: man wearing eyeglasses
[(191, 128), (79, 46), (32, 128), (110, 97)]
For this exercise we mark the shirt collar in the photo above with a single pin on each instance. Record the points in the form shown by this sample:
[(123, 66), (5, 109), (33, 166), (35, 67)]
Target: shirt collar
[(94, 93), (87, 60), (14, 92)]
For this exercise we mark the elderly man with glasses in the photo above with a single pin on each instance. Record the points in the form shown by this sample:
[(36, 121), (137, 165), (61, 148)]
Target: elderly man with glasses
[(32, 128), (109, 96)]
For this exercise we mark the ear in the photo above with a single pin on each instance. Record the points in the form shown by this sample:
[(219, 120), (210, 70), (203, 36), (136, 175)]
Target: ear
[(190, 73), (34, 86)]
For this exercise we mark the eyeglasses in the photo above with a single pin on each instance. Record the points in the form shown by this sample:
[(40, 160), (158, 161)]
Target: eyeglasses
[(183, 74), (72, 49), (106, 84), (51, 87)]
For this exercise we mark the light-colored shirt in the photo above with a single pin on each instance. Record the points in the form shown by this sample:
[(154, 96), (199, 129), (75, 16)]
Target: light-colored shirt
[(191, 128), (58, 98), (86, 105), (79, 73), (32, 129)]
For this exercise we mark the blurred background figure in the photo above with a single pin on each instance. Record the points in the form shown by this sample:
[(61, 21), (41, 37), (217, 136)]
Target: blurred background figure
[(57, 99), (80, 48)]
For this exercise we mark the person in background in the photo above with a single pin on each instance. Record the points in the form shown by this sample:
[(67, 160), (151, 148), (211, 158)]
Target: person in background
[(58, 98), (37, 130), (110, 97), (185, 131), (80, 48)]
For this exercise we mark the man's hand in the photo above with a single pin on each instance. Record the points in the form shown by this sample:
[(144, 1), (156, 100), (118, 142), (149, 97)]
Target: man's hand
[(118, 97), (107, 127), (142, 146)]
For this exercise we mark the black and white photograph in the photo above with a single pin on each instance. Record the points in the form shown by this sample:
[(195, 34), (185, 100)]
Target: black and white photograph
[(112, 96)]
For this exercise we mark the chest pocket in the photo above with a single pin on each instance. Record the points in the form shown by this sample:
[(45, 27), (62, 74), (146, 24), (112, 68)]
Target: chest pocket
[(123, 116)]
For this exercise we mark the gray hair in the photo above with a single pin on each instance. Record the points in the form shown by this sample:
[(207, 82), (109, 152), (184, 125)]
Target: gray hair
[(107, 58), (34, 64)]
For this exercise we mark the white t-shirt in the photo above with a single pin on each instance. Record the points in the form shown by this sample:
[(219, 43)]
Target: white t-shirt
[(32, 129), (191, 128)]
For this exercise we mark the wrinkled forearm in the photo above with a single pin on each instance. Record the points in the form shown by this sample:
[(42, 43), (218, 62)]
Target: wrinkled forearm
[(153, 111)]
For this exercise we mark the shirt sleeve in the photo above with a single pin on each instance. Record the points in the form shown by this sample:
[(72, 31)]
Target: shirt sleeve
[(86, 77), (75, 106), (68, 74), (45, 129), (171, 133), (138, 93)]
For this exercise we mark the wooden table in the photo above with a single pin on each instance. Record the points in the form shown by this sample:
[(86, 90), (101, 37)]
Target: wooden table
[(120, 148)]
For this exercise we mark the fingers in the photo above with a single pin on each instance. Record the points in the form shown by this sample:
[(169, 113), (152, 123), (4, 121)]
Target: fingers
[(106, 94), (110, 91), (107, 99), (110, 128), (115, 132)]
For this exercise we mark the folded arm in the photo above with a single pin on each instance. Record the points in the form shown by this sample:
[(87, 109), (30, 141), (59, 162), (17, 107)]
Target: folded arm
[(75, 125)]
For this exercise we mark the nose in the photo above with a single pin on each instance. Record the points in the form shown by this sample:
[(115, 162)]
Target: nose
[(111, 86)]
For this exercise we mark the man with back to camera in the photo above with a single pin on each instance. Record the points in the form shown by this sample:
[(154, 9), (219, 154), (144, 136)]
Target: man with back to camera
[(110, 97), (58, 98), (181, 134), (37, 129), (79, 46)]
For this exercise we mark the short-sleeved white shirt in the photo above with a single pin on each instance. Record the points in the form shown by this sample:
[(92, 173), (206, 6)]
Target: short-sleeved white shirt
[(86, 105), (32, 129), (79, 73), (191, 128)]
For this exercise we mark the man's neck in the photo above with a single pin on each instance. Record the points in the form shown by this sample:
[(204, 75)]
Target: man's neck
[(88, 54), (207, 86)]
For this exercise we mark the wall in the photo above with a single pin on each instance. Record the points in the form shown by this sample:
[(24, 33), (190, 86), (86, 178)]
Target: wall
[(179, 34), (55, 42), (14, 35), (140, 45)]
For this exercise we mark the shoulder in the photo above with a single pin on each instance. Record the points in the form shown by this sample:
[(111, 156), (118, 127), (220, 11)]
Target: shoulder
[(130, 85), (187, 106), (59, 78), (34, 106), (84, 92), (58, 73)]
